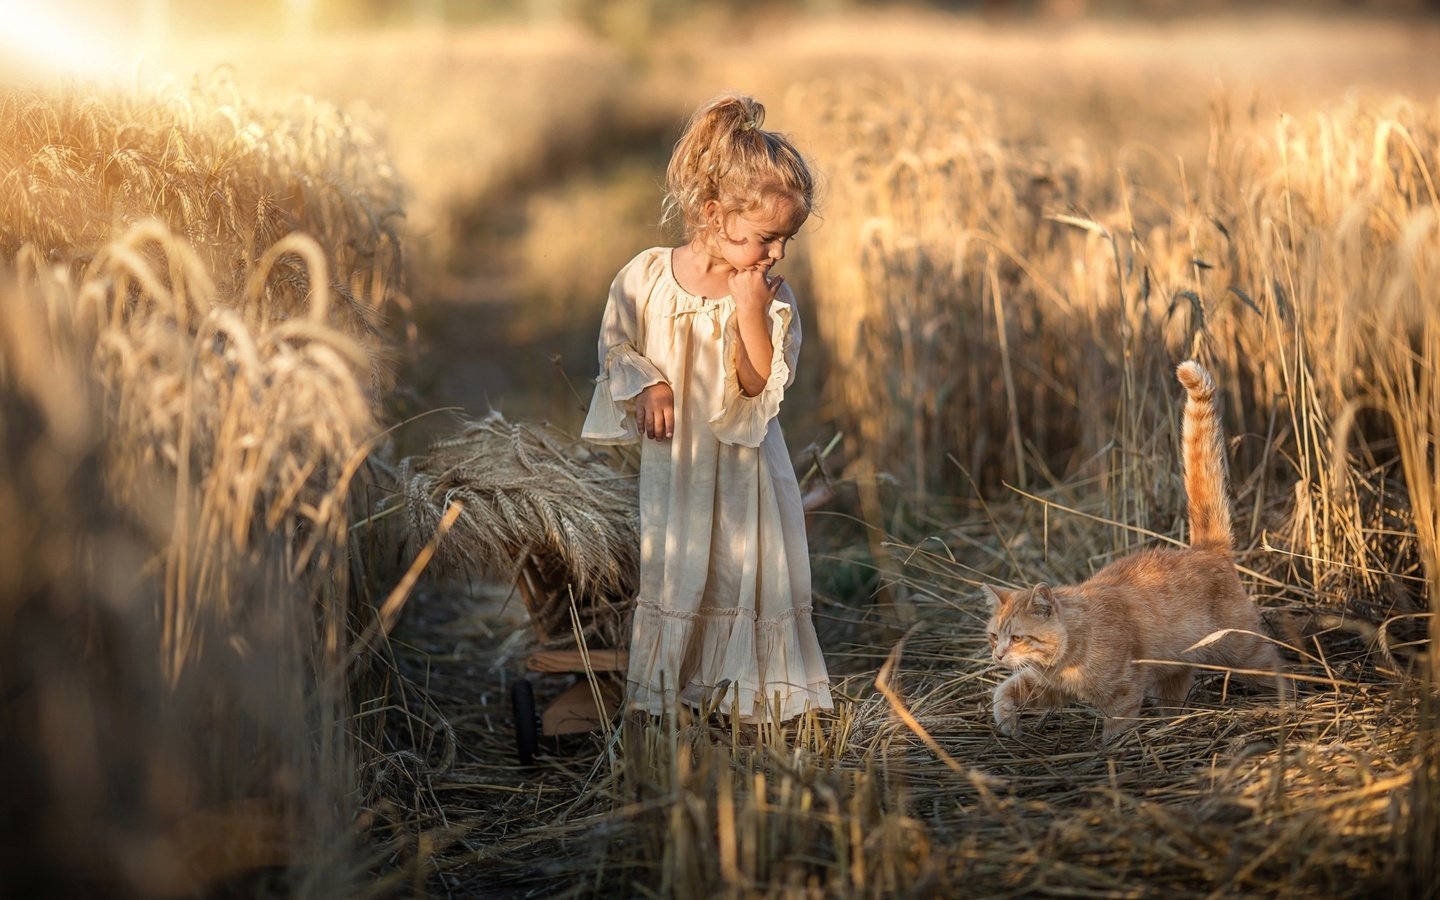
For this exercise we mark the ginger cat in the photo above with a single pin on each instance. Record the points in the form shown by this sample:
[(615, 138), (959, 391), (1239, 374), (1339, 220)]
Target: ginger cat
[(1081, 641)]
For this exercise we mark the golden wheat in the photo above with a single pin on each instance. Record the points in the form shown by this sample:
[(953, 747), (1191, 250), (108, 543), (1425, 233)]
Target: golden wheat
[(180, 345), (230, 179), (534, 501), (1049, 278), (165, 565)]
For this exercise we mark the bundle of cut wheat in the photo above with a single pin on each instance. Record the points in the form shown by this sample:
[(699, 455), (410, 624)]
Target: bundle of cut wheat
[(538, 507)]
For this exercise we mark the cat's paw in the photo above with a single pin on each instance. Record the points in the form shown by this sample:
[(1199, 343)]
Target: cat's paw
[(1007, 715), (1116, 728)]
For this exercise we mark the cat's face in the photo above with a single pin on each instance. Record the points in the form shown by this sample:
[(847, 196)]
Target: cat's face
[(1024, 629)]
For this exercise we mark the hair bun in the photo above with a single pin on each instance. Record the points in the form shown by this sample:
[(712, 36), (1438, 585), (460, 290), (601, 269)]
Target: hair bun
[(752, 114), (725, 155)]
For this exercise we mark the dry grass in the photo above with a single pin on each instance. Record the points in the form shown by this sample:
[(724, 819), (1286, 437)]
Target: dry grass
[(1008, 302), (907, 789), (914, 794), (1009, 282)]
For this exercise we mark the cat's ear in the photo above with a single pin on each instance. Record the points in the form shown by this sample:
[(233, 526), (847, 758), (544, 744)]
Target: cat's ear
[(1042, 600), (991, 598)]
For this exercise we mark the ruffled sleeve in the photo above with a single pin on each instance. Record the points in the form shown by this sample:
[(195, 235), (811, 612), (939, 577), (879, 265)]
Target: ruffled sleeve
[(624, 370), (742, 419)]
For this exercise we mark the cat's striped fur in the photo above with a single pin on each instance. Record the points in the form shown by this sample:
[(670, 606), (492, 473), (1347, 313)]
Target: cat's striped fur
[(1082, 641)]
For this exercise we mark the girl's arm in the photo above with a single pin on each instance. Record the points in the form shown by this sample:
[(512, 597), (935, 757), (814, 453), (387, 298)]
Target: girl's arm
[(752, 291), (750, 406), (625, 373)]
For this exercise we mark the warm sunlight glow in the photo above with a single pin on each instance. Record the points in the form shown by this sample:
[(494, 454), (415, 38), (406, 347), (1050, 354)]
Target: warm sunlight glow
[(36, 36)]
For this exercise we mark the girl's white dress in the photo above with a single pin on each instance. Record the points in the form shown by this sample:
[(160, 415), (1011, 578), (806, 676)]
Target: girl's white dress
[(725, 570)]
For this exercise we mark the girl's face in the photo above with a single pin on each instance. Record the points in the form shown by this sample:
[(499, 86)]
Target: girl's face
[(756, 239)]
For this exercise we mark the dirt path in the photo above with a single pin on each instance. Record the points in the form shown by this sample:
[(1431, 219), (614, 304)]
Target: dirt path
[(464, 343)]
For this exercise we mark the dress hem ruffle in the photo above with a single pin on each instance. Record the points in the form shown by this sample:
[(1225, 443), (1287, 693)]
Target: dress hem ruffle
[(772, 667)]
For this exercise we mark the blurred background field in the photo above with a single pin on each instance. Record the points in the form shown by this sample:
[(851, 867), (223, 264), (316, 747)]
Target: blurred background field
[(223, 677)]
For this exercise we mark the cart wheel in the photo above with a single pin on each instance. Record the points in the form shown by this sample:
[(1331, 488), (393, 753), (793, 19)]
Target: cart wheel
[(527, 723)]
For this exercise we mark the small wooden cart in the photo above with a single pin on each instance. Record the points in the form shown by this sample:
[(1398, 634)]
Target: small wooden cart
[(584, 706)]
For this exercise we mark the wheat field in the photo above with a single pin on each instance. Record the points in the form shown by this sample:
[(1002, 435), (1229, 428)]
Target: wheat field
[(292, 358)]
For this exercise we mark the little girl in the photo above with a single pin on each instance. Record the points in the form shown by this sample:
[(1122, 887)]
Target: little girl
[(697, 347)]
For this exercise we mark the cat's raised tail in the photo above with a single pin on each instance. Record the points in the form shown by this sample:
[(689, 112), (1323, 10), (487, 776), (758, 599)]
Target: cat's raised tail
[(1204, 454)]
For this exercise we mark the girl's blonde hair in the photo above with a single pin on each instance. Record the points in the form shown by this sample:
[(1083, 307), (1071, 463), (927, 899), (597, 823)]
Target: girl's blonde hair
[(724, 155)]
